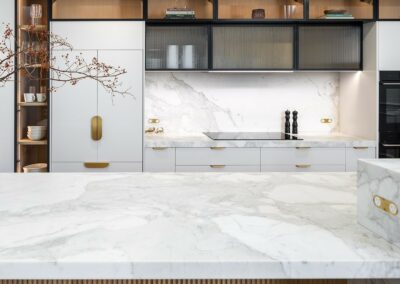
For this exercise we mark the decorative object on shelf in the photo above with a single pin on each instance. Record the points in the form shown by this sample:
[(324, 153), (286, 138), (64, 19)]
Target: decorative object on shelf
[(179, 13), (154, 129), (172, 57), (35, 168), (258, 14), (289, 11), (287, 121), (334, 14), (188, 56), (29, 97), (37, 133), (36, 14), (41, 97), (295, 129), (370, 2)]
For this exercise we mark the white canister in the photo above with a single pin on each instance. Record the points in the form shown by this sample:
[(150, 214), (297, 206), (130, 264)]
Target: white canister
[(172, 57), (188, 57)]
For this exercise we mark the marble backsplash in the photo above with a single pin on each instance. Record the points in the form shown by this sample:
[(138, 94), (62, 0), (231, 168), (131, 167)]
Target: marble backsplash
[(194, 102)]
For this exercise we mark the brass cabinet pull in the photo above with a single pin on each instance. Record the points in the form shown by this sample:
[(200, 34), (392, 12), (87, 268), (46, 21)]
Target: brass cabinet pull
[(96, 165), (217, 166), (217, 148), (159, 148), (360, 148), (97, 128), (385, 205), (305, 166), (303, 147)]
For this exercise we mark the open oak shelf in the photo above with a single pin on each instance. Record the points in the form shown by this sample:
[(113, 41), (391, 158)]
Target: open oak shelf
[(23, 104), (27, 142)]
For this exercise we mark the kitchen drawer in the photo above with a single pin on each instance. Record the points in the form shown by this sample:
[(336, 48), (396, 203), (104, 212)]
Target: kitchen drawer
[(217, 156), (303, 168), (80, 167), (159, 159), (218, 169), (356, 153), (293, 156)]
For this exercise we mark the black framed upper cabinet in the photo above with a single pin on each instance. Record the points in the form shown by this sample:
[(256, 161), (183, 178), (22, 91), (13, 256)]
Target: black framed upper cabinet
[(180, 9), (255, 47), (330, 47), (172, 47)]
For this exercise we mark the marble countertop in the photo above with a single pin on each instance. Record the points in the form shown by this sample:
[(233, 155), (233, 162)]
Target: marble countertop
[(188, 225), (310, 140)]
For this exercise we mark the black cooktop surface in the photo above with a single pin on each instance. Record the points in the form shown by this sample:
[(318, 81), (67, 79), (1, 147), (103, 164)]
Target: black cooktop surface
[(250, 136)]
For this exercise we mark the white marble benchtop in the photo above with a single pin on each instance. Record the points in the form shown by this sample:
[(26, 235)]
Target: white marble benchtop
[(203, 225), (310, 140)]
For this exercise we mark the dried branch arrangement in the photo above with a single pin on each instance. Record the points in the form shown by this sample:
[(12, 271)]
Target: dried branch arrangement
[(62, 66)]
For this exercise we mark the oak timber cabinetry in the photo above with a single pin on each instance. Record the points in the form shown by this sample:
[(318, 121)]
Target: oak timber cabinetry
[(119, 147)]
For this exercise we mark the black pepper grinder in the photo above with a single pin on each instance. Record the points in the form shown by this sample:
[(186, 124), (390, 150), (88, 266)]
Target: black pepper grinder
[(295, 125), (287, 121)]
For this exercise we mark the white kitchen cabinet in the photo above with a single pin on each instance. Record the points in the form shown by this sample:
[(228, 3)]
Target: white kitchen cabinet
[(7, 100), (303, 168), (217, 156), (159, 159), (74, 107), (218, 168), (303, 155), (389, 45), (356, 153), (7, 127)]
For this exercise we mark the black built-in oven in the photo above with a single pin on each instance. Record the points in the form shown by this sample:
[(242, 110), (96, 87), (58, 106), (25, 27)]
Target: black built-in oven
[(389, 114)]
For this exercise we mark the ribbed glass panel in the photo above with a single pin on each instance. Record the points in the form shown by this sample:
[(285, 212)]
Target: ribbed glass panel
[(252, 47), (173, 47), (329, 47)]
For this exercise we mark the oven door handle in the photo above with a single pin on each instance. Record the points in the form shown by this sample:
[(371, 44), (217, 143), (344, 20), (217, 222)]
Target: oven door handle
[(393, 84), (391, 145)]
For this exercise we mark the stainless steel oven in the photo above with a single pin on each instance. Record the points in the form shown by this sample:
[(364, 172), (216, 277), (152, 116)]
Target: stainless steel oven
[(389, 114)]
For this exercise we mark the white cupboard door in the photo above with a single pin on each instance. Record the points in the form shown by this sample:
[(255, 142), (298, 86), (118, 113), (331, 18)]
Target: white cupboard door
[(389, 46), (356, 153), (159, 159), (122, 114), (72, 110), (7, 127)]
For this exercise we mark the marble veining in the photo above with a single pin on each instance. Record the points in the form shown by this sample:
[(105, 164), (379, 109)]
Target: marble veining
[(187, 225), (197, 102), (379, 177), (201, 140)]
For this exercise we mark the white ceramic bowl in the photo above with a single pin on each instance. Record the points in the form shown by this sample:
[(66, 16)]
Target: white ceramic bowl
[(36, 136), (35, 168)]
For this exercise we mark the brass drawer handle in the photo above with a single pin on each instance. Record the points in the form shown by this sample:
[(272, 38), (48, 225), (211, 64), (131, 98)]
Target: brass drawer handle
[(97, 128), (217, 166), (303, 147), (217, 148), (303, 166), (385, 205), (159, 148), (360, 148), (154, 120), (96, 165)]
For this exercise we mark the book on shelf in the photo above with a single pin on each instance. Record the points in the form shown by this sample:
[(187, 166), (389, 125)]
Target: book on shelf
[(337, 16)]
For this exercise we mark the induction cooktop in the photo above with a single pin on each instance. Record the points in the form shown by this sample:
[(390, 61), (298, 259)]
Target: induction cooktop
[(250, 136)]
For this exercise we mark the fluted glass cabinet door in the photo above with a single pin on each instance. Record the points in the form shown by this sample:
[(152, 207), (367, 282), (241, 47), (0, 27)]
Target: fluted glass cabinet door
[(253, 47), (330, 47), (176, 47)]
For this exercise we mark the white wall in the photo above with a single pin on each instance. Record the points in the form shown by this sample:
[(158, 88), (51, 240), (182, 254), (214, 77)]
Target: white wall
[(195, 102), (359, 92), (7, 102)]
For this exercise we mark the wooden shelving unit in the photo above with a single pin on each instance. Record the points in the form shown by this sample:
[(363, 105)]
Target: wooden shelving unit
[(360, 10), (203, 8), (97, 9), (389, 9), (32, 76)]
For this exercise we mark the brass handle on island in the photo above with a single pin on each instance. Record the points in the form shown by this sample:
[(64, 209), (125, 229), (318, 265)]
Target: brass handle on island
[(360, 148), (97, 128), (217, 148), (303, 147), (217, 166), (304, 166), (96, 165)]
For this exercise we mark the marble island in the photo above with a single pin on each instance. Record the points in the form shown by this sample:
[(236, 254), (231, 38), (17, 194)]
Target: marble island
[(190, 226)]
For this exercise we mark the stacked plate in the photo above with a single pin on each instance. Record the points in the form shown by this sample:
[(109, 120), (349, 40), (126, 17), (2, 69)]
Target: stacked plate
[(35, 168), (36, 133)]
